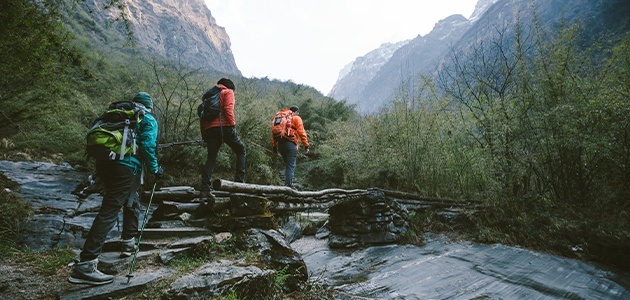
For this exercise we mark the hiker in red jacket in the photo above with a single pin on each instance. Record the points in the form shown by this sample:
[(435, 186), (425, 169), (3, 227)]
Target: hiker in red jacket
[(287, 143), (218, 131)]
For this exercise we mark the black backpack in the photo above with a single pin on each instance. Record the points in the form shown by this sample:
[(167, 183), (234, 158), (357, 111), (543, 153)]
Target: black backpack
[(210, 101), (113, 134)]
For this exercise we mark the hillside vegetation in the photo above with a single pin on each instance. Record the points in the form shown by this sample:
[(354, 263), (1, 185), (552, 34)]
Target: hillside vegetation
[(533, 124)]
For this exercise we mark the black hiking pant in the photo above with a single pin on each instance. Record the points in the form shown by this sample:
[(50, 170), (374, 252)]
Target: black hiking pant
[(214, 138), (121, 191)]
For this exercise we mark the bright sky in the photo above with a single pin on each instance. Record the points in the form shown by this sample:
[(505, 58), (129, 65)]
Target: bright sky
[(310, 41)]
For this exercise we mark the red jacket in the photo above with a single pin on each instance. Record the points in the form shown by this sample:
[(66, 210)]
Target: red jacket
[(298, 127), (226, 103)]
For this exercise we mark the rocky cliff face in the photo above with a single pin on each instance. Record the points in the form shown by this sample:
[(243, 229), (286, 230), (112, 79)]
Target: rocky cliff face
[(183, 31)]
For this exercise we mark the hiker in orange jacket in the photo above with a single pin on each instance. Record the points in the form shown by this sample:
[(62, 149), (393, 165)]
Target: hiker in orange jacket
[(219, 130), (288, 146)]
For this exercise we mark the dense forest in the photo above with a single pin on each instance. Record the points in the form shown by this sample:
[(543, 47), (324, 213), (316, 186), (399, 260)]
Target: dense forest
[(535, 124)]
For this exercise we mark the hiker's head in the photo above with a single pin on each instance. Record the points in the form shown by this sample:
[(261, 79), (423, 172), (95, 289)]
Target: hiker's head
[(144, 99), (227, 83), (294, 108)]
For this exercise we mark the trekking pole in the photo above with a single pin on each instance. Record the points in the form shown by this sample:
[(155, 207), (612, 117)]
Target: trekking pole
[(263, 147), (168, 145), (144, 222)]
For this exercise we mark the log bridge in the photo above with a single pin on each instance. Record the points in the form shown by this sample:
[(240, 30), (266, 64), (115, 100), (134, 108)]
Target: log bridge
[(355, 217)]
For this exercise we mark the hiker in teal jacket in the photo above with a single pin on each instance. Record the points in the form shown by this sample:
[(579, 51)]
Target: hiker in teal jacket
[(147, 132), (121, 179)]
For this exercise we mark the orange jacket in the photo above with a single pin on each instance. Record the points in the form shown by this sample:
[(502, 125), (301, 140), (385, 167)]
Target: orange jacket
[(226, 103), (298, 127)]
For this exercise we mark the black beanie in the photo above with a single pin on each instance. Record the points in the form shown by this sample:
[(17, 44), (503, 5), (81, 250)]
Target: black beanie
[(294, 108), (227, 83)]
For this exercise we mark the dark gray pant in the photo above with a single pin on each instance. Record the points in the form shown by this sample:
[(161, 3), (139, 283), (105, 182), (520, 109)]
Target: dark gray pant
[(214, 139), (121, 191), (288, 150)]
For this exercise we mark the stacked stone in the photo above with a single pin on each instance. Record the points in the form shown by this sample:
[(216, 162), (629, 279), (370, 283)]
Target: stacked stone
[(249, 211), (371, 220), (230, 211)]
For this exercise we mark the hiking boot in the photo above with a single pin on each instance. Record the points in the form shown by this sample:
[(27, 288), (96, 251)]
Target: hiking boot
[(86, 272), (128, 247)]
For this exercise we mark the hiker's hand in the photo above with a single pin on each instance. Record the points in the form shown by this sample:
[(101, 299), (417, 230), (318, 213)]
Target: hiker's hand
[(306, 149), (159, 173)]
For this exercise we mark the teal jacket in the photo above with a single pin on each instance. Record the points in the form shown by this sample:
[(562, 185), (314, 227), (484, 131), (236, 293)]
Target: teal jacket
[(146, 138)]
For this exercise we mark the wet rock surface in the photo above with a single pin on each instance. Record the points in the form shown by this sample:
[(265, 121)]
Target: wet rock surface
[(445, 269), (63, 219), (442, 269)]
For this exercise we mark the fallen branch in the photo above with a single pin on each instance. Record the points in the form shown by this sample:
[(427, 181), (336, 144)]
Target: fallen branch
[(417, 197)]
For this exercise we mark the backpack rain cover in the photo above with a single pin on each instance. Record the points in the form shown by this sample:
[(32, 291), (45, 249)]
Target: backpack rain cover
[(281, 125)]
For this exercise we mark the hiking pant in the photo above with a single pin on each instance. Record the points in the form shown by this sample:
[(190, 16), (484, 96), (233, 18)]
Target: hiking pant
[(121, 191), (214, 138), (288, 150)]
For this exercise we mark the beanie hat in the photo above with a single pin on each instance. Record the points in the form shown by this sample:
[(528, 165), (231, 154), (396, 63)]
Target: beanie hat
[(294, 108), (144, 99), (227, 83)]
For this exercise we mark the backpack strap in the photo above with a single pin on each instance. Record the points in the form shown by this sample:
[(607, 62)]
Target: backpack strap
[(221, 113), (124, 140)]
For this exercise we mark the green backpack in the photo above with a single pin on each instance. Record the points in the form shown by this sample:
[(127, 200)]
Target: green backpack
[(113, 134)]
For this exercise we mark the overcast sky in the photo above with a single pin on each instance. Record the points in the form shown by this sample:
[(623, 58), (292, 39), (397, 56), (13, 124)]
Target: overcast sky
[(310, 41)]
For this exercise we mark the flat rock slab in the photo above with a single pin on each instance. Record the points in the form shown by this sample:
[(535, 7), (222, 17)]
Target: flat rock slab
[(208, 280), (185, 232), (112, 263), (44, 184), (121, 287)]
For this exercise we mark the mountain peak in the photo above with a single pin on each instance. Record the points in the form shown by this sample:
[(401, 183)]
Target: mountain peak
[(371, 84), (363, 68), (480, 8)]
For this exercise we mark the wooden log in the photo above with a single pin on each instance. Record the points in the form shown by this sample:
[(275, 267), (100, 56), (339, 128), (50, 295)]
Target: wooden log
[(250, 188), (424, 203), (177, 193), (411, 196), (181, 207)]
